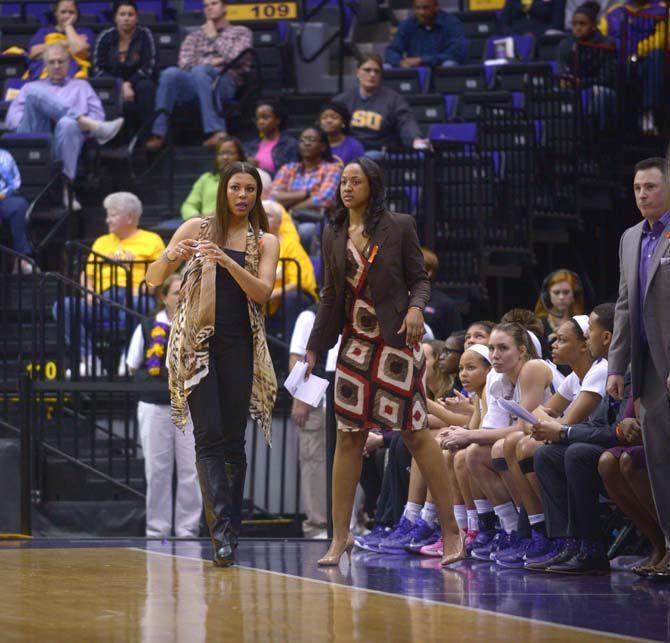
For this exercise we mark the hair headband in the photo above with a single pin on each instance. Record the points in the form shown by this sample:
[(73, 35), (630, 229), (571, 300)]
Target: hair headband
[(481, 350)]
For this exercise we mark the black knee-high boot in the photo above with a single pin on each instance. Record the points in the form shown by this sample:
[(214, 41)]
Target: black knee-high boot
[(237, 472), (218, 502)]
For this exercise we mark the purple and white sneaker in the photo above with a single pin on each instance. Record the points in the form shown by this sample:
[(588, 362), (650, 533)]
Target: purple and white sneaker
[(395, 542), (484, 552), (422, 535), (370, 542), (539, 547), (513, 557)]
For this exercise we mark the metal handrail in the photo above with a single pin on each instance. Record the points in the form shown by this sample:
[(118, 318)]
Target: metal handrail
[(31, 208), (338, 35)]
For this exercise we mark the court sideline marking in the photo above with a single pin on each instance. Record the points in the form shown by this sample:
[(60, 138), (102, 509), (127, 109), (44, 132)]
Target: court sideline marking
[(412, 599)]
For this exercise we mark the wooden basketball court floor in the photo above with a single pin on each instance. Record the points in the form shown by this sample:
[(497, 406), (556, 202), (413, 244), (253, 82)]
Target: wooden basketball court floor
[(143, 590)]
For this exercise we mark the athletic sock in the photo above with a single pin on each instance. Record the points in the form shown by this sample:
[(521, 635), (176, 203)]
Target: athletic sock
[(507, 515), (412, 511), (537, 523), (473, 520), (429, 514), (461, 516)]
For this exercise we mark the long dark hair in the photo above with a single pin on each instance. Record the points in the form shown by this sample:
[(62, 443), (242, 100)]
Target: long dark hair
[(227, 138), (257, 217), (376, 202)]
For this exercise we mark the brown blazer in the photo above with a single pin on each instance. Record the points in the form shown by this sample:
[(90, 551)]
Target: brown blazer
[(397, 278)]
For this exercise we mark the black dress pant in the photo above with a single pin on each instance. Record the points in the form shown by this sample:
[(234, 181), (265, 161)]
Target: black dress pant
[(395, 484), (570, 487), (219, 404)]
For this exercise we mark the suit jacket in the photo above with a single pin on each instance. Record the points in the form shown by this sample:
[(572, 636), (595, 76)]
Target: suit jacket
[(397, 278), (627, 344)]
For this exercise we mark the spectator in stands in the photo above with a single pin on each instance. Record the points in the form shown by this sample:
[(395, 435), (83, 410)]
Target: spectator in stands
[(334, 120), (441, 312), (295, 285), (77, 41), (561, 297), (641, 28), (127, 52), (310, 183), (162, 445), (203, 55), (273, 147), (13, 208), (201, 201), (430, 38), (585, 32), (126, 243), (380, 117), (535, 17), (65, 106)]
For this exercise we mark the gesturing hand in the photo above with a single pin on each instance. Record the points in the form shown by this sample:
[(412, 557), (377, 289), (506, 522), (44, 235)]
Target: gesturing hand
[(459, 403), (183, 250), (413, 326), (213, 252)]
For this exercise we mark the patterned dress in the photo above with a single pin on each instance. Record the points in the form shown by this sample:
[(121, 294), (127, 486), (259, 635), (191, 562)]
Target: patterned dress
[(377, 386)]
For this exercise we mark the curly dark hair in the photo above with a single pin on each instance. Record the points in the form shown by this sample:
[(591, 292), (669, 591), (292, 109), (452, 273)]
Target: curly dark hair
[(327, 154), (278, 107), (376, 203)]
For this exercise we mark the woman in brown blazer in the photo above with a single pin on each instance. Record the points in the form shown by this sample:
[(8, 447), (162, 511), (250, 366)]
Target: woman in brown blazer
[(375, 290)]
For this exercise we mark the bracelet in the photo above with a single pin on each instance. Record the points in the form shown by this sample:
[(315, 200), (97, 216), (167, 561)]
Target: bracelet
[(166, 256)]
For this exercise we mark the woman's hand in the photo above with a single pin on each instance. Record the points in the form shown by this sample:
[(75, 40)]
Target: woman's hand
[(458, 404), (458, 438), (183, 250), (215, 253), (127, 91), (413, 326), (373, 442), (629, 429)]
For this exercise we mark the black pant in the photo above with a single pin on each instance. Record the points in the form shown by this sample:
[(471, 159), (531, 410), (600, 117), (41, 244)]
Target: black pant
[(395, 484), (219, 404), (570, 486), (140, 110)]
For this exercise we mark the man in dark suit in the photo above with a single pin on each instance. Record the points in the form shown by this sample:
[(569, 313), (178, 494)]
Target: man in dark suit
[(642, 328)]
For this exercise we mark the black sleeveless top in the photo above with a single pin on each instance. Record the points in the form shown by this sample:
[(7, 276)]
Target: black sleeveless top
[(232, 312)]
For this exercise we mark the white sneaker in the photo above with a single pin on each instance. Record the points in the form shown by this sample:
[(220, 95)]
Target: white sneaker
[(107, 130)]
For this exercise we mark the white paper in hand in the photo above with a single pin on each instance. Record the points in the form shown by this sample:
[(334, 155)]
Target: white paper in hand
[(514, 408), (309, 391)]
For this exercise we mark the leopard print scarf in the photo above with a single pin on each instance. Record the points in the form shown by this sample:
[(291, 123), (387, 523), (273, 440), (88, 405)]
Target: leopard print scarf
[(193, 325)]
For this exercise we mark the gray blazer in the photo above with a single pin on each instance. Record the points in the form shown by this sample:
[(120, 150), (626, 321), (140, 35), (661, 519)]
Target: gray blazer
[(627, 343)]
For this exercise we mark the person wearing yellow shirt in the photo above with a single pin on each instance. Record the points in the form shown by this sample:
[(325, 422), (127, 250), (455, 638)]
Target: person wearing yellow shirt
[(125, 244), (300, 290)]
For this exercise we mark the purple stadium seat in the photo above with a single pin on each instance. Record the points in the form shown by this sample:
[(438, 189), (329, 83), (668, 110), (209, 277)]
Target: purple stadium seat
[(152, 6), (38, 10), (454, 132), (10, 9)]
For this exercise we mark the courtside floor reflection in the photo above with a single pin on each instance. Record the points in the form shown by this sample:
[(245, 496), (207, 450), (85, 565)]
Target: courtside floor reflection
[(148, 590)]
